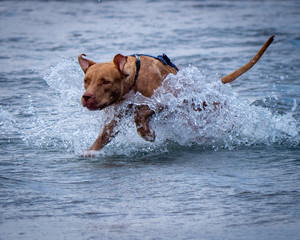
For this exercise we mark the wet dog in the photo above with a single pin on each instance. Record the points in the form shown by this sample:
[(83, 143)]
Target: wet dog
[(112, 82)]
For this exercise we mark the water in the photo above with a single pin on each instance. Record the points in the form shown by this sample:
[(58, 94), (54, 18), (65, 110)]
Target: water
[(230, 174)]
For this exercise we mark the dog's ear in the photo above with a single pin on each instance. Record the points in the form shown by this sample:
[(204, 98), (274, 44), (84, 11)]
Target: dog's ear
[(84, 63), (120, 61)]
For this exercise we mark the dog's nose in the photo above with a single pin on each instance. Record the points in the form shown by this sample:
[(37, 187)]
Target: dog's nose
[(87, 96)]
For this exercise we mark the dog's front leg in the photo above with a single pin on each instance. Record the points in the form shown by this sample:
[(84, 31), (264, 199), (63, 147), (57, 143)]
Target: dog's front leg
[(106, 136), (141, 118)]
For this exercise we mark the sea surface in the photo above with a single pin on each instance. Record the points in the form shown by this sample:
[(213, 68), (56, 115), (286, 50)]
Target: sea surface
[(227, 174)]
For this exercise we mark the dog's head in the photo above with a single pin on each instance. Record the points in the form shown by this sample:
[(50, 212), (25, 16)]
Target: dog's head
[(105, 83)]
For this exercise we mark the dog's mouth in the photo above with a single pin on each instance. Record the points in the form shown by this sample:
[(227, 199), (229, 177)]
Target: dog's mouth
[(93, 107), (93, 104)]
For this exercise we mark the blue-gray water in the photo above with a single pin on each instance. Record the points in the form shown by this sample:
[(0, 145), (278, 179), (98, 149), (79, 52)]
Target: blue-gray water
[(234, 174)]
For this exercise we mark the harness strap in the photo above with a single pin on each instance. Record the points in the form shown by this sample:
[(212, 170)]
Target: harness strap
[(138, 66), (162, 58), (166, 61)]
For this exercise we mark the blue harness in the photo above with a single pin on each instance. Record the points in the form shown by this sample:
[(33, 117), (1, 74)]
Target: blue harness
[(162, 58)]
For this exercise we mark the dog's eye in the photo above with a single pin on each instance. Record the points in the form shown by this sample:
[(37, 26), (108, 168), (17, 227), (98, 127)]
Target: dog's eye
[(105, 82)]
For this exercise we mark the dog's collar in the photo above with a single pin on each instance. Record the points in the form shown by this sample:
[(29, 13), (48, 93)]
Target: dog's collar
[(162, 58), (138, 67)]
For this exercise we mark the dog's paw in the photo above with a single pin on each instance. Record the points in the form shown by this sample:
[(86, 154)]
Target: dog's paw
[(88, 153), (148, 136)]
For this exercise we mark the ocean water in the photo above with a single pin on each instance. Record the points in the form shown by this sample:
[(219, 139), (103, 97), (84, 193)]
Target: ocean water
[(226, 174)]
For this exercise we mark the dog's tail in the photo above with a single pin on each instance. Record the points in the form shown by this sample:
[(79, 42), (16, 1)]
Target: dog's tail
[(234, 75)]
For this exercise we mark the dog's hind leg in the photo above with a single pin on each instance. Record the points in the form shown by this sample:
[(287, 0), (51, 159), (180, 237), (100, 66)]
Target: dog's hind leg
[(234, 75)]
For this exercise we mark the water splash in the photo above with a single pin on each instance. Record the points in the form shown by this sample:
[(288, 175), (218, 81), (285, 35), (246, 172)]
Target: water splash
[(58, 119), (7, 123), (60, 122), (227, 121)]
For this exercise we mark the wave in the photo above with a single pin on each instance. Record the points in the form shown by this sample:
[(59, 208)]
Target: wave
[(58, 121)]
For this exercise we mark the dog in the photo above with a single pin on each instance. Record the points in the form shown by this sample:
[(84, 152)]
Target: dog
[(113, 82)]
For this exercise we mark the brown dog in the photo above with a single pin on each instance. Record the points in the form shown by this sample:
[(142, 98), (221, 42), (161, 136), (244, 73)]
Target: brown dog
[(110, 83)]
